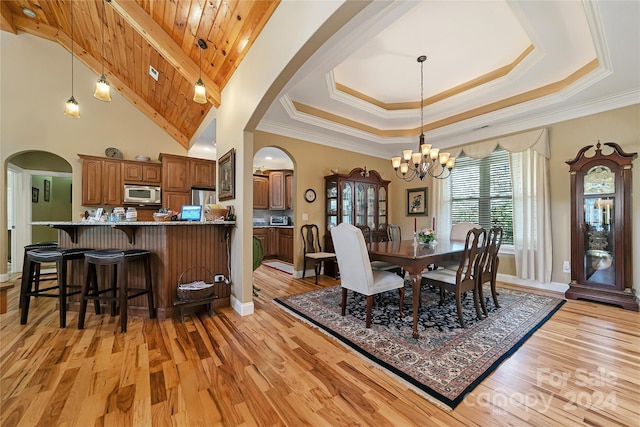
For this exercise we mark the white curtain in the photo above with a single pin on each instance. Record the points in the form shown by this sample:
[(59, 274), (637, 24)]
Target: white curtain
[(529, 161)]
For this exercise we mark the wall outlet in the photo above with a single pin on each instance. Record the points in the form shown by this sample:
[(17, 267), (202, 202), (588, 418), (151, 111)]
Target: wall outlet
[(566, 267), (305, 217)]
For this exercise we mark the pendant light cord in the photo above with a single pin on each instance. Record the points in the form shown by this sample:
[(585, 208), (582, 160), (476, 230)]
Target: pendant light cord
[(71, 10), (422, 97), (103, 37), (200, 61)]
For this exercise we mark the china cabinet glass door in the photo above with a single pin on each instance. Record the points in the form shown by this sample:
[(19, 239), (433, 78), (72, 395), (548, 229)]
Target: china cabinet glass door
[(347, 203), (382, 208), (361, 205), (332, 204), (371, 207)]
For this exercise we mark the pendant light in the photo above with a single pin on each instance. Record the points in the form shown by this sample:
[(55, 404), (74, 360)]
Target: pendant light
[(200, 91), (72, 109), (103, 90)]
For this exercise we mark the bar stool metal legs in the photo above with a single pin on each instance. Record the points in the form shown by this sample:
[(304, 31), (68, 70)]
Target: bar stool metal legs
[(119, 289)]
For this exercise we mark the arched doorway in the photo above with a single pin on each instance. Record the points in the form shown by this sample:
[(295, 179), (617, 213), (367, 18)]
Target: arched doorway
[(38, 189), (274, 206)]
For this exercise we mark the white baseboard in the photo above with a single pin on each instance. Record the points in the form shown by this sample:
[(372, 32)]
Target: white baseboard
[(243, 309), (549, 286)]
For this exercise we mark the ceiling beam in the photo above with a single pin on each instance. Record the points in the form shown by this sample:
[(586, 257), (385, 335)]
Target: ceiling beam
[(164, 44), (50, 33), (6, 19)]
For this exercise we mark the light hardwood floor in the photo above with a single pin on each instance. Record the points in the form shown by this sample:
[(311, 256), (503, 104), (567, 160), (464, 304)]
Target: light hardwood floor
[(581, 368)]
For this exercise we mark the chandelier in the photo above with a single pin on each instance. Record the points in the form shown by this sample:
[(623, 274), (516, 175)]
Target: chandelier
[(426, 161)]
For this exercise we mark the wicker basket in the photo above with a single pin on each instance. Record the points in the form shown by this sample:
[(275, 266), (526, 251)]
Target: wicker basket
[(214, 214), (201, 281), (161, 217)]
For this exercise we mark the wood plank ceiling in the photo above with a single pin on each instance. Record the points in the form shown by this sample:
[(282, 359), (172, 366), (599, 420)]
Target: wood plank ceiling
[(159, 33)]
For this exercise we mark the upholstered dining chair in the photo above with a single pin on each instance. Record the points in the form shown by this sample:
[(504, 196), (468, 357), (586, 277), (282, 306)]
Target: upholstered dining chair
[(312, 249), (488, 266), (356, 273), (465, 278), (378, 265)]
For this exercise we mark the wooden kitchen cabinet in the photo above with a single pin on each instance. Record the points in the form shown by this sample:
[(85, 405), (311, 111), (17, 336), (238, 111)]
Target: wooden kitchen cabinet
[(276, 190), (269, 239), (285, 244), (174, 200), (260, 192), (288, 191), (203, 173), (175, 173), (91, 182), (139, 173), (112, 186), (101, 181)]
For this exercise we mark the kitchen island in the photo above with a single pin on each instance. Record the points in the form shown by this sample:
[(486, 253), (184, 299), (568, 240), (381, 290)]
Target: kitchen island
[(181, 252)]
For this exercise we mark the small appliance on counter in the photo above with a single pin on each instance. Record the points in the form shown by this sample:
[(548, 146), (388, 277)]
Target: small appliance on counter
[(279, 220)]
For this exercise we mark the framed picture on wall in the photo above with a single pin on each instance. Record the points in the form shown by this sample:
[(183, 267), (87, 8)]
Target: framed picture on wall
[(47, 190), (34, 194), (227, 175), (417, 201)]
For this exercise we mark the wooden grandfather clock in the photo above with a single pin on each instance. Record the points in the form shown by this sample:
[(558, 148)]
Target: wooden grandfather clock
[(601, 239)]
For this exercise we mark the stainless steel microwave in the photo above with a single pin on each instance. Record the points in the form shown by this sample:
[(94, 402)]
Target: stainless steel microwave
[(142, 194)]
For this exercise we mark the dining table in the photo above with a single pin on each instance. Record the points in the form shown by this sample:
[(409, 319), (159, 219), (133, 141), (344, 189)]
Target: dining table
[(414, 257)]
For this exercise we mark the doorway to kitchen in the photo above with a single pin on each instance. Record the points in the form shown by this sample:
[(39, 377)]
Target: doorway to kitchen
[(39, 188), (274, 207)]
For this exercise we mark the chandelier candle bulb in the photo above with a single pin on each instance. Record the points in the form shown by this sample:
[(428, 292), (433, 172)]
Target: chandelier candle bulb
[(444, 157), (451, 163)]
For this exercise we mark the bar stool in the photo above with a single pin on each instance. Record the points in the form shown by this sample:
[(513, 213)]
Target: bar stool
[(35, 257), (25, 266), (120, 290)]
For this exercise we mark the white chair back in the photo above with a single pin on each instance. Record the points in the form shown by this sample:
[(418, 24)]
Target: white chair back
[(353, 259), (459, 231)]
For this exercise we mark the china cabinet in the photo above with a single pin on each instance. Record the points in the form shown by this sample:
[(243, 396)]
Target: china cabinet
[(601, 246), (358, 198)]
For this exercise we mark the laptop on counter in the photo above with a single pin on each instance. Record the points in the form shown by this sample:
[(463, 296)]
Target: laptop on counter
[(191, 213)]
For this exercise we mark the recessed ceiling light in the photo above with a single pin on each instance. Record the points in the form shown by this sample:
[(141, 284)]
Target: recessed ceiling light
[(30, 13), (269, 158)]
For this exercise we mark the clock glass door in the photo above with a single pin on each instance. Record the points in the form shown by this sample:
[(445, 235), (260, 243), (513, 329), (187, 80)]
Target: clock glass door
[(599, 226)]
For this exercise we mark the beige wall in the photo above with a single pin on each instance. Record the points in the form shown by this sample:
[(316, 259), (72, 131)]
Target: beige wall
[(35, 82)]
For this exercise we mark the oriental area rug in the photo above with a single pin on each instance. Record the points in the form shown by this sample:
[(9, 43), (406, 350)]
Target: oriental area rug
[(447, 361)]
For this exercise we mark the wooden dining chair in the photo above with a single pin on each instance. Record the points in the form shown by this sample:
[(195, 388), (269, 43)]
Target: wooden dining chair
[(488, 266), (458, 233), (356, 273), (465, 278), (394, 233), (312, 250), (378, 265)]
